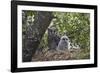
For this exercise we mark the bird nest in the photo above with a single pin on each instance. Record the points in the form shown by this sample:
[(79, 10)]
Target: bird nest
[(53, 55)]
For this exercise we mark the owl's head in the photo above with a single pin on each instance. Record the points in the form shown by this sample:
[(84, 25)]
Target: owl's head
[(65, 38)]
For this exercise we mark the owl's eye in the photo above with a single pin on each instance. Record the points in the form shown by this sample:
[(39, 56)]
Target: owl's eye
[(64, 39)]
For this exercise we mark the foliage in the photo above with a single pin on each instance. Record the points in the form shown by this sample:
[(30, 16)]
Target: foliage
[(76, 25)]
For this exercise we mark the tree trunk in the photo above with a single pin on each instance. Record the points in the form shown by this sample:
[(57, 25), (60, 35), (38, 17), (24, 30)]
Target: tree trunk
[(35, 32)]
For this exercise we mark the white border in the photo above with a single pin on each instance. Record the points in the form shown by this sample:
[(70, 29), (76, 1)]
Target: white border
[(53, 63)]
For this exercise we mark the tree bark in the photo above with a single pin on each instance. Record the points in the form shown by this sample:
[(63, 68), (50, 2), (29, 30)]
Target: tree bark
[(35, 32)]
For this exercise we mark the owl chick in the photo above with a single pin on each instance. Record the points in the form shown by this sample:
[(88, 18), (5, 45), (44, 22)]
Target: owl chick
[(63, 44)]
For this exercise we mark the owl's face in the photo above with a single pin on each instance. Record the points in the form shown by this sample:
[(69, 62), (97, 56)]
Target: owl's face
[(65, 39), (52, 31)]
